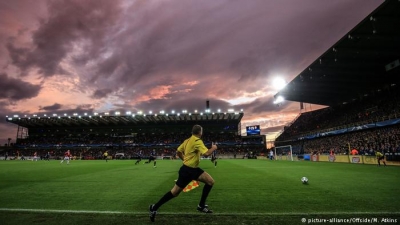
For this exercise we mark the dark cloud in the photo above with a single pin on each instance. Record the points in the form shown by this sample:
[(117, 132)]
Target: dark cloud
[(15, 89), (55, 106), (101, 93), (227, 46), (69, 22)]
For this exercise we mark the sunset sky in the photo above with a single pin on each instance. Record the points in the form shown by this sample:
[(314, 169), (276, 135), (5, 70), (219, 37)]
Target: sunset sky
[(110, 55)]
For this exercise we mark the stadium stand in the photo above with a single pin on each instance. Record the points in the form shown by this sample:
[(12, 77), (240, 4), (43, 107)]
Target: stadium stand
[(124, 136), (358, 80)]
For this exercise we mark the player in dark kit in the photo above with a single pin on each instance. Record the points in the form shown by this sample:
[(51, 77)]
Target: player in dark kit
[(139, 155), (153, 157), (48, 156), (214, 158)]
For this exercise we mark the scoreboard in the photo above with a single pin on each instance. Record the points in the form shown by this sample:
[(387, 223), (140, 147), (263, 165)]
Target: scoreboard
[(253, 130)]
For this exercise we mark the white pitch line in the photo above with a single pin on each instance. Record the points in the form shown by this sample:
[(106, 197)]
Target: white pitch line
[(195, 213)]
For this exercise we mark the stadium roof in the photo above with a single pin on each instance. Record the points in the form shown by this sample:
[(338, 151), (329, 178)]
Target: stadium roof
[(364, 60), (36, 121)]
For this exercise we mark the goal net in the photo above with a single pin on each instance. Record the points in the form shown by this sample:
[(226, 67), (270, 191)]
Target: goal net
[(284, 153)]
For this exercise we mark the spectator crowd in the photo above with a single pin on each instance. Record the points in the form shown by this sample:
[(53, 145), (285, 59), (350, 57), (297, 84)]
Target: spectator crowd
[(366, 142), (380, 106)]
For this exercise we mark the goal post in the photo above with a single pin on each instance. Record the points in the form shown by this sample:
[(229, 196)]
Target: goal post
[(284, 153)]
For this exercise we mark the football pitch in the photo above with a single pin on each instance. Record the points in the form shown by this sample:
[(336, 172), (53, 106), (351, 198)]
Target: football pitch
[(245, 192)]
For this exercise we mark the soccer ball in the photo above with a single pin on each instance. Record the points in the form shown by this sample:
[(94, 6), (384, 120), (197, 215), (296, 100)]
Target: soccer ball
[(304, 180)]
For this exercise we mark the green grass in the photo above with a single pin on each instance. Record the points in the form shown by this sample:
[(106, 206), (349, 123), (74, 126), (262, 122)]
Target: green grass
[(245, 192)]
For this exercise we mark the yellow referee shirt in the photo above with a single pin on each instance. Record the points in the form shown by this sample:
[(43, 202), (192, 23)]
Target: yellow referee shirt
[(378, 154), (105, 154), (191, 149)]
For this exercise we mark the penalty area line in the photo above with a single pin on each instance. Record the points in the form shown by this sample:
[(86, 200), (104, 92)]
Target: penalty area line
[(197, 213)]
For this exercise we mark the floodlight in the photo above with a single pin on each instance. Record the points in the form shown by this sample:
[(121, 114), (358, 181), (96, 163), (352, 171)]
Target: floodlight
[(279, 83), (279, 99)]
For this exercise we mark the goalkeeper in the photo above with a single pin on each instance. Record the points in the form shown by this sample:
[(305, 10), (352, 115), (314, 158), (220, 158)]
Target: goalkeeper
[(380, 157)]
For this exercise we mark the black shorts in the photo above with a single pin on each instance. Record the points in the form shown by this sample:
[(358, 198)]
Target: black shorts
[(381, 158), (187, 174)]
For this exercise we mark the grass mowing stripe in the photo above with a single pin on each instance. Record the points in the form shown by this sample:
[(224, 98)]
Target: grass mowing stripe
[(197, 213)]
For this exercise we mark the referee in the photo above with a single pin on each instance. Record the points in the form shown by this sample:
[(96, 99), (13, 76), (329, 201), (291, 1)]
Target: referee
[(189, 151)]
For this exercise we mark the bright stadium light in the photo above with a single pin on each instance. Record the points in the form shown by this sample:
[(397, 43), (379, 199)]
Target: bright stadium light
[(45, 115), (65, 114), (231, 110), (162, 112), (195, 111), (279, 99), (85, 114), (279, 83), (201, 114), (54, 114), (219, 110), (117, 113), (15, 116), (128, 113), (241, 110), (150, 112), (75, 114), (173, 111), (178, 114), (140, 113)]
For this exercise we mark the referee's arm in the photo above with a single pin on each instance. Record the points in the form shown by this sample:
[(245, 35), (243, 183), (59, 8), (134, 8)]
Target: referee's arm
[(205, 151), (179, 151)]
